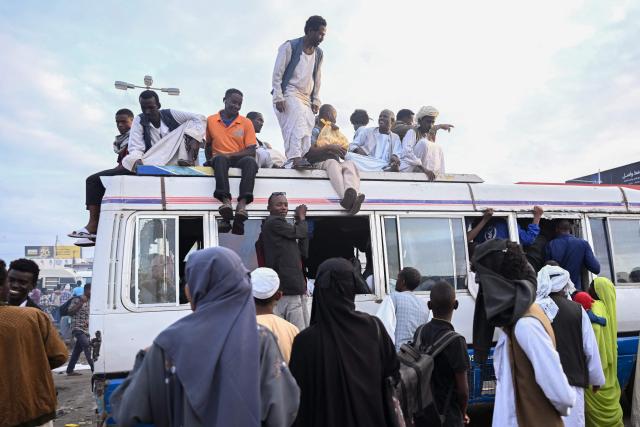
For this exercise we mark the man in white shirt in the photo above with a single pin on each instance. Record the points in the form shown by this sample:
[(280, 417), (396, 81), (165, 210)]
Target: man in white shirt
[(296, 89), (377, 149), (420, 151), (163, 136)]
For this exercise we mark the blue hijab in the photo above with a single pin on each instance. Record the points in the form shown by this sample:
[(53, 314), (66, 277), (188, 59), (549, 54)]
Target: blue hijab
[(215, 349)]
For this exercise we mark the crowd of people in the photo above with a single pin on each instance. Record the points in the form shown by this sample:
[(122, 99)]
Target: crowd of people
[(266, 362), (251, 354), (311, 138)]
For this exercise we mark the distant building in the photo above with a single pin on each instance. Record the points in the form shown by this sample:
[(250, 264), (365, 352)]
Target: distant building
[(626, 175), (60, 265)]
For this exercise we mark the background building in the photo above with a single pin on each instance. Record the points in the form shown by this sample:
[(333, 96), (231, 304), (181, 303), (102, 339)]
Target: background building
[(627, 174)]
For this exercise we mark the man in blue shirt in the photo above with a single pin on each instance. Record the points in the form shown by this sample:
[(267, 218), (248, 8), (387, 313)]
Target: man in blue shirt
[(489, 228), (572, 253)]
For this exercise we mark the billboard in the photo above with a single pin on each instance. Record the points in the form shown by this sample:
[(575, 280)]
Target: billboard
[(626, 175), (46, 252), (68, 252), (38, 251)]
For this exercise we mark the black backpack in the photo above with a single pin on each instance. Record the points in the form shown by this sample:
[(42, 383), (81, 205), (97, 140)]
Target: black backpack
[(416, 369)]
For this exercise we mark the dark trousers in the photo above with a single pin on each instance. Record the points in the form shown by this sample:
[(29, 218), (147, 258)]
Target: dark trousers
[(82, 344), (249, 167), (94, 188)]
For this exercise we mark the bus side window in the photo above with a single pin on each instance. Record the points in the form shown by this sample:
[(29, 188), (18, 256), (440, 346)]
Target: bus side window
[(601, 244), (154, 269), (434, 246), (625, 239), (159, 254)]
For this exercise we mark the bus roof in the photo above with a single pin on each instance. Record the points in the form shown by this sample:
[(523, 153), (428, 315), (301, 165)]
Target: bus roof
[(176, 188)]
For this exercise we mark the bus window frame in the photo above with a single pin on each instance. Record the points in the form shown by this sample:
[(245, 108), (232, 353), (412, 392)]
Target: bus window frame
[(373, 233), (611, 244), (131, 233), (437, 215)]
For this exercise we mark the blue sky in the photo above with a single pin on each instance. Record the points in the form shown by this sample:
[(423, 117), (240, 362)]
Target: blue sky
[(544, 91)]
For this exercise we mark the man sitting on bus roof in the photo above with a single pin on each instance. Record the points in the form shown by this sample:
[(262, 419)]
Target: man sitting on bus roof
[(377, 148), (489, 228), (327, 152), (231, 142), (266, 155), (420, 151), (404, 122)]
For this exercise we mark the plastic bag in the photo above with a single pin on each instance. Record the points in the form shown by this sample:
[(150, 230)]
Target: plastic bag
[(328, 135)]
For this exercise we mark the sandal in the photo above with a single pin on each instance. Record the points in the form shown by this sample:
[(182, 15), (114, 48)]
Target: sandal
[(241, 215), (238, 227), (224, 226), (356, 205), (226, 211), (350, 196), (85, 242), (83, 233), (302, 163)]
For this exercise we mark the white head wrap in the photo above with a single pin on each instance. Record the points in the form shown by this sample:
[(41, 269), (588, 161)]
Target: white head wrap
[(427, 111), (265, 282), (551, 279)]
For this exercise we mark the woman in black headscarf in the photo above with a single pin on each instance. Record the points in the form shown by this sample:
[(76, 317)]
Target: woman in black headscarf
[(341, 360)]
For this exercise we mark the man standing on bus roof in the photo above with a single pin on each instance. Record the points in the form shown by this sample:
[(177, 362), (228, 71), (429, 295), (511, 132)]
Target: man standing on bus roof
[(23, 278), (572, 253), (284, 247), (231, 142), (296, 89)]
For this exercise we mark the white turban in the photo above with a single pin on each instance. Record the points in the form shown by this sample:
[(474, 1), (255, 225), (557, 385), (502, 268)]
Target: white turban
[(265, 282), (427, 111), (551, 279)]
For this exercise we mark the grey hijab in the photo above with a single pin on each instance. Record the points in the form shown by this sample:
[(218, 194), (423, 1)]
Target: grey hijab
[(215, 349)]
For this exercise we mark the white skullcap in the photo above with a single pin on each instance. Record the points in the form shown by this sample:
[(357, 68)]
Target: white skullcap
[(265, 282), (427, 111)]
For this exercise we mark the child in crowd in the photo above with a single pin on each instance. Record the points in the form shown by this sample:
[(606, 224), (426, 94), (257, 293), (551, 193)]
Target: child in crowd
[(585, 300)]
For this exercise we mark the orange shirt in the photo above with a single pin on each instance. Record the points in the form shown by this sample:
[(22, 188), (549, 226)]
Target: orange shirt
[(225, 140)]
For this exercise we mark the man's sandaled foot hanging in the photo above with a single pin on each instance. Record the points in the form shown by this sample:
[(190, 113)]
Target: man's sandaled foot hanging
[(349, 198), (356, 205), (224, 226), (83, 233), (85, 242), (226, 211)]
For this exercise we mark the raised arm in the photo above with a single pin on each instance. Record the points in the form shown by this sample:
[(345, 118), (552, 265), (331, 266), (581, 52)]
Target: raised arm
[(282, 228), (486, 217)]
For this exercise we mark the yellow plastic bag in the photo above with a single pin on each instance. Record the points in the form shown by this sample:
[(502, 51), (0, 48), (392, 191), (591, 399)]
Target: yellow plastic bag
[(328, 135)]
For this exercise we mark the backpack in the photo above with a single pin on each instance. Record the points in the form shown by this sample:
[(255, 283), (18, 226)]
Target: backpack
[(64, 308), (416, 370)]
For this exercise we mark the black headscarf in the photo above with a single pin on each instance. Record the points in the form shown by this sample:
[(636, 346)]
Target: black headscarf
[(215, 349), (340, 361), (500, 301)]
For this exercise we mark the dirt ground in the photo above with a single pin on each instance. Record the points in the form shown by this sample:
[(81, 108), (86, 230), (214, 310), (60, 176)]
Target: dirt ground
[(75, 399)]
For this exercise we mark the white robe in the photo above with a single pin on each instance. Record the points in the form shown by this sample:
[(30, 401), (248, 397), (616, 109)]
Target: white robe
[(166, 147), (594, 368), (538, 347), (423, 153), (297, 120), (378, 148)]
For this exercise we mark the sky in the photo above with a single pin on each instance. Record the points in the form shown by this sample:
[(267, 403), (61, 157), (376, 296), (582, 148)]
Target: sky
[(537, 91)]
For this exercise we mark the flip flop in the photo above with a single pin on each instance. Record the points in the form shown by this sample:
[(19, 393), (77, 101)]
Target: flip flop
[(350, 196), (242, 215), (356, 205), (226, 211), (238, 227), (85, 242), (83, 233)]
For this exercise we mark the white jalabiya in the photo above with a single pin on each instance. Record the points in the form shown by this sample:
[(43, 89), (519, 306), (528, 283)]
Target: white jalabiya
[(191, 124), (297, 120), (378, 148), (423, 153), (538, 347)]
